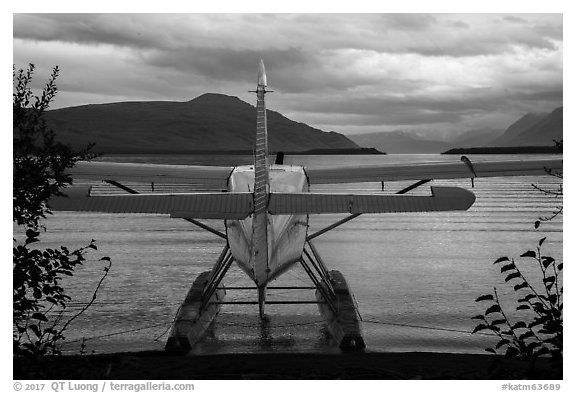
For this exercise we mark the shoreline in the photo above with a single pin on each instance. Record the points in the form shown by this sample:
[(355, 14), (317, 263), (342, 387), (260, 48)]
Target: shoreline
[(152, 365)]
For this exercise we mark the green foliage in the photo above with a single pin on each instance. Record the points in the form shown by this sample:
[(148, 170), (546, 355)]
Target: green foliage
[(541, 331), (541, 306), (39, 172), (39, 160)]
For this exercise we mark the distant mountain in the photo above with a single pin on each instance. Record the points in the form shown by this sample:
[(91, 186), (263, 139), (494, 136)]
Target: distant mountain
[(210, 122), (517, 128), (542, 133), (474, 138), (399, 142)]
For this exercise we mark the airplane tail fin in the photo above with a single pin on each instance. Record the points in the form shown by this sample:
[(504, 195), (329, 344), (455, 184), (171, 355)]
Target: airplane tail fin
[(261, 181), (261, 167)]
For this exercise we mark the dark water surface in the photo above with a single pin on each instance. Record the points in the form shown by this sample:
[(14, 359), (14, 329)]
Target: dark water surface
[(414, 275)]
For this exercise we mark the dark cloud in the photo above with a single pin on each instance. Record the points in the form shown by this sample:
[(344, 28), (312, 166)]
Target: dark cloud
[(439, 35), (227, 64), (356, 70), (459, 24), (95, 29), (219, 64), (514, 19), (390, 110), (410, 22), (399, 117), (552, 96)]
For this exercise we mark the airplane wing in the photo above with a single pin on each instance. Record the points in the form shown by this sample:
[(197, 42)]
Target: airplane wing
[(240, 205), (442, 199), (152, 173), (436, 170), (198, 205)]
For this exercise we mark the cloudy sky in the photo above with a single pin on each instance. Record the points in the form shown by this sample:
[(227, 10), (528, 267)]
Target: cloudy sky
[(351, 73)]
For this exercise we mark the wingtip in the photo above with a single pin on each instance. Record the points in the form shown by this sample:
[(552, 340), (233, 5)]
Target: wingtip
[(457, 198)]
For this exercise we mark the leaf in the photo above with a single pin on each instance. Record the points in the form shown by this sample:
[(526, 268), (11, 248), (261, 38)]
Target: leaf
[(527, 298), (40, 317), (553, 298), (480, 327), (529, 254), (492, 309), (485, 297), (491, 350), (560, 266), (498, 322), (541, 241), (520, 286), (523, 307), (501, 259), (507, 267), (519, 325), (536, 224), (524, 336), (511, 352), (512, 276), (30, 233), (548, 280), (502, 342), (541, 351), (546, 261), (481, 317), (32, 240), (35, 330), (105, 259)]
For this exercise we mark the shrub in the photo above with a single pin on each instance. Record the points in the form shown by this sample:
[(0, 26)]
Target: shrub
[(541, 330), (40, 164)]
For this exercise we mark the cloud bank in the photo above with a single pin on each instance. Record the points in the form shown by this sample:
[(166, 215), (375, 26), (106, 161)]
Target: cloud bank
[(350, 73)]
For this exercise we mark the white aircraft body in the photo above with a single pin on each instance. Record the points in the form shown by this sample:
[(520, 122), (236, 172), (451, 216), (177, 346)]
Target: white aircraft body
[(266, 210)]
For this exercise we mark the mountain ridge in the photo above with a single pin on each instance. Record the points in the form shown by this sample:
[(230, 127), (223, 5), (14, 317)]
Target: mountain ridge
[(530, 130), (517, 128), (208, 122), (543, 132)]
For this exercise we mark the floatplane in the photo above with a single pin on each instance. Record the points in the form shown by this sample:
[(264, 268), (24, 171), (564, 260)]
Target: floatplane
[(266, 210)]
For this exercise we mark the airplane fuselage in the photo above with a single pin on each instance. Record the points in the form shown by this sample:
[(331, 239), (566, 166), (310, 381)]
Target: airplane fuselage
[(286, 234)]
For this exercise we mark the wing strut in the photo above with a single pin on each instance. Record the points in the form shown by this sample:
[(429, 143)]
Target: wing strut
[(121, 186)]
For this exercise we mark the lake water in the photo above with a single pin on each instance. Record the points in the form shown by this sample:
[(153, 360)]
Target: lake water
[(414, 276)]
